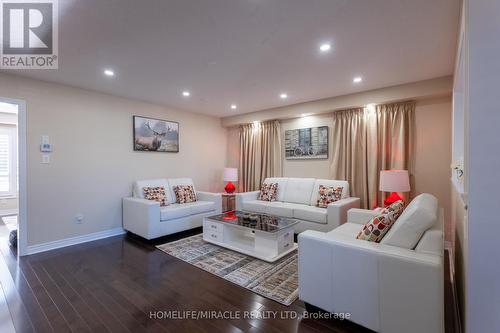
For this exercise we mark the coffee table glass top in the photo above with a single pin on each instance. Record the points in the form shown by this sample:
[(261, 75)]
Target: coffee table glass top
[(256, 221)]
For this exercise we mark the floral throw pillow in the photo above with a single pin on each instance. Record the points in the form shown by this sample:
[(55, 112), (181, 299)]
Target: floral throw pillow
[(377, 227), (328, 195), (156, 194), (184, 194), (268, 192)]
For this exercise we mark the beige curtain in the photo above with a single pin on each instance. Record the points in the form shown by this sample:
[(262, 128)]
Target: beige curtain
[(349, 151), (392, 126), (260, 154), (366, 141)]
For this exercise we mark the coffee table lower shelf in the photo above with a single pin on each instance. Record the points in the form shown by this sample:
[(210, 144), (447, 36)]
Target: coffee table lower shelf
[(267, 246)]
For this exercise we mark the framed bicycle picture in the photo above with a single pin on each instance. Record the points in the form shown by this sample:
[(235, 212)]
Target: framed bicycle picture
[(306, 143)]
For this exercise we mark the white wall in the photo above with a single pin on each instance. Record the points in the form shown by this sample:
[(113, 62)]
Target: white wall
[(93, 164), (483, 165)]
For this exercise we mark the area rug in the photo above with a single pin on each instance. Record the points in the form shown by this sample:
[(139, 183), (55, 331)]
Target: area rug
[(277, 281)]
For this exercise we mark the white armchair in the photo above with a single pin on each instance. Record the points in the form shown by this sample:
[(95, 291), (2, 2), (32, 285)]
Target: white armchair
[(384, 287)]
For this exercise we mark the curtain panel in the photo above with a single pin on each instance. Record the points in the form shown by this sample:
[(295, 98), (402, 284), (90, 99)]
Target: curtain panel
[(260, 154), (368, 140), (350, 151)]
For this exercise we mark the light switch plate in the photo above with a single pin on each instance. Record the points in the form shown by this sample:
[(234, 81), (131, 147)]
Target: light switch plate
[(46, 148), (45, 159), (45, 139)]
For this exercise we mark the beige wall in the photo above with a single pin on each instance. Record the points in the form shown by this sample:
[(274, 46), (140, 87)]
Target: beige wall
[(433, 153), (93, 164), (432, 150)]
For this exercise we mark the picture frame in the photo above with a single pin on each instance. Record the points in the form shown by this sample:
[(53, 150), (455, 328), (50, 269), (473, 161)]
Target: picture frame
[(155, 135), (307, 143)]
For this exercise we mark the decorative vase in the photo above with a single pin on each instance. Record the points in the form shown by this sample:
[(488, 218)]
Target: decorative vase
[(230, 188)]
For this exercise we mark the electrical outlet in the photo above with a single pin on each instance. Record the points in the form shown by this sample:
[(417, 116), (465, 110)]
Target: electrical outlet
[(79, 218)]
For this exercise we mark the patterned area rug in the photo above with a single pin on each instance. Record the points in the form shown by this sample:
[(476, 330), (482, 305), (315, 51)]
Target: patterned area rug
[(277, 281)]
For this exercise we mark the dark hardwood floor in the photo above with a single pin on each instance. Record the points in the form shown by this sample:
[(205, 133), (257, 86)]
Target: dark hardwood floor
[(117, 284)]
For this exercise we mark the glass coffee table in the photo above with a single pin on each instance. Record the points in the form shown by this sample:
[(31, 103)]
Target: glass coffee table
[(263, 236)]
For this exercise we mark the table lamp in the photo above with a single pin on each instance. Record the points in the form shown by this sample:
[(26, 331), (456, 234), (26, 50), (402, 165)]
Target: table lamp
[(394, 181), (230, 175)]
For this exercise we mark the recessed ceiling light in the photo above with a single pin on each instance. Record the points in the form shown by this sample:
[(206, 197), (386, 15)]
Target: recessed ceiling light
[(234, 106), (325, 47), (283, 96), (357, 79), (186, 93), (109, 72)]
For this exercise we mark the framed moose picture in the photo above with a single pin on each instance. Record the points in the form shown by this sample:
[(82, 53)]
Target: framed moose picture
[(156, 135)]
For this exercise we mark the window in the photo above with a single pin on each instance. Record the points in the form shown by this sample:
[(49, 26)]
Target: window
[(8, 160)]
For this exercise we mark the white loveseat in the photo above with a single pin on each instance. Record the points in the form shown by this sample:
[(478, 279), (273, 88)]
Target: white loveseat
[(297, 198), (147, 219), (391, 287)]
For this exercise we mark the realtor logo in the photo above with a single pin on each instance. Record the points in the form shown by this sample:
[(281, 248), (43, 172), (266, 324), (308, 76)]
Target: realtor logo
[(29, 34)]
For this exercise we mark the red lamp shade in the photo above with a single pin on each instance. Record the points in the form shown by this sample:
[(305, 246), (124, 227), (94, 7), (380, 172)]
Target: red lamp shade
[(394, 181), (230, 175)]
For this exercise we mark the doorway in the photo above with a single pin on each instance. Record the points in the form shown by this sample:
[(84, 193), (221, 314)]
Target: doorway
[(13, 174)]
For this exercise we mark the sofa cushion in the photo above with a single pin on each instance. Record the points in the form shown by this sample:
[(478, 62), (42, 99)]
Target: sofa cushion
[(284, 209), (281, 181), (138, 190), (174, 211), (256, 206), (350, 230), (310, 213), (178, 181), (420, 215), (156, 193), (328, 183), (199, 207), (298, 190)]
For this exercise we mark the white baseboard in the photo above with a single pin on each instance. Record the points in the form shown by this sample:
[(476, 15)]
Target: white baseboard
[(32, 249)]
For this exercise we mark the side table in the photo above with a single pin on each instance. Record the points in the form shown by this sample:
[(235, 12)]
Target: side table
[(228, 202)]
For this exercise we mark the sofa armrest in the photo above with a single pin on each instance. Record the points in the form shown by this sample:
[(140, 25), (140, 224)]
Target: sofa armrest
[(213, 197), (139, 215), (360, 216), (399, 286), (245, 196), (337, 211), (315, 269)]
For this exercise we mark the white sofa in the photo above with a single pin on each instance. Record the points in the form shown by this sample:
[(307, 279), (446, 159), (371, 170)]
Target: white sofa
[(296, 198), (147, 219), (391, 287)]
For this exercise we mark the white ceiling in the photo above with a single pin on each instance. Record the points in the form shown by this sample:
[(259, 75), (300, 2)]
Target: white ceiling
[(249, 51)]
